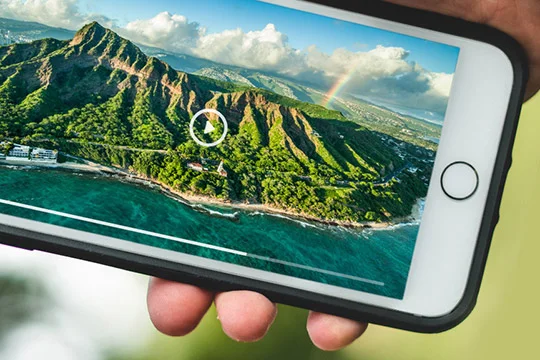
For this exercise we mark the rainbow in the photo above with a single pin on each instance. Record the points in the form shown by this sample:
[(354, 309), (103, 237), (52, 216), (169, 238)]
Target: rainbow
[(336, 88)]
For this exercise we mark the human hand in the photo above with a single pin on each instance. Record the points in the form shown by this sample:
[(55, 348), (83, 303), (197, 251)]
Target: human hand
[(176, 309)]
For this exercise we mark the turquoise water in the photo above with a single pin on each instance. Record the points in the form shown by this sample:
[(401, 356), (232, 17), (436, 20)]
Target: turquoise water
[(382, 256)]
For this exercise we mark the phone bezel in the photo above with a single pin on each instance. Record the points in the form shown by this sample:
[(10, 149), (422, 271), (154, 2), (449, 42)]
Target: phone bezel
[(376, 308), (443, 252)]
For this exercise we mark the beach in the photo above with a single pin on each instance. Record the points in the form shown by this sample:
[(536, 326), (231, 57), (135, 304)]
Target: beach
[(196, 200), (86, 166)]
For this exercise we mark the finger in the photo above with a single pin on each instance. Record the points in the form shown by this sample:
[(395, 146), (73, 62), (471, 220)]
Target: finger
[(245, 315), (176, 309), (332, 333)]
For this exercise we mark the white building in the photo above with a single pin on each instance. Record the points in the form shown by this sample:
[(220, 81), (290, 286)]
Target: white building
[(221, 170), (26, 153), (44, 154), (195, 166), (407, 131), (19, 151), (5, 38)]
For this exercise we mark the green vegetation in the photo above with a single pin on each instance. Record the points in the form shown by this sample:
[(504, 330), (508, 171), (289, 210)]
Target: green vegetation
[(22, 300), (100, 98), (5, 147)]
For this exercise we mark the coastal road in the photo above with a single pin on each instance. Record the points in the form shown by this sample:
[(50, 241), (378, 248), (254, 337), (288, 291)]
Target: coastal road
[(122, 147)]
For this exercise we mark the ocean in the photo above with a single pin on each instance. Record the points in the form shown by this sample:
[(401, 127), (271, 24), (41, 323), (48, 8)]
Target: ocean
[(299, 248)]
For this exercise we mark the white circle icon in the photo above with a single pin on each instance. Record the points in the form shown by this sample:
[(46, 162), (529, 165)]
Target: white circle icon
[(209, 127)]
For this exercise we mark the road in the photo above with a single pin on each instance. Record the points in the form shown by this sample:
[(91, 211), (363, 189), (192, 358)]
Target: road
[(384, 181), (122, 147)]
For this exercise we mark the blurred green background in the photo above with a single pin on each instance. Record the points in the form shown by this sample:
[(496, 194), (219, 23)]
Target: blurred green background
[(503, 325)]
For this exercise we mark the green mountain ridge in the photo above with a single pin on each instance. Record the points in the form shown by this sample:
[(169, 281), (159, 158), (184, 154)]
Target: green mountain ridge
[(364, 112), (100, 97)]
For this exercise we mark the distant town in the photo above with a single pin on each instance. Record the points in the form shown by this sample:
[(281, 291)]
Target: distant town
[(9, 38), (22, 153)]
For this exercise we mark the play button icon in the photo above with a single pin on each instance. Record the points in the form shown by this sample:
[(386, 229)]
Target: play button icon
[(209, 128)]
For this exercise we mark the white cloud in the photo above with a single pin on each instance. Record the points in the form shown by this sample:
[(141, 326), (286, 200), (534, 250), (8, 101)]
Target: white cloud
[(360, 66), (266, 49), (57, 13), (383, 72), (165, 30), (441, 83), (389, 53)]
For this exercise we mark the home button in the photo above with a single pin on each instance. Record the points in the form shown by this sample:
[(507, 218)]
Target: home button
[(459, 180)]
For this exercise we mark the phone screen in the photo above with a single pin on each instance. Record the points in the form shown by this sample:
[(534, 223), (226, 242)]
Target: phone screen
[(239, 131)]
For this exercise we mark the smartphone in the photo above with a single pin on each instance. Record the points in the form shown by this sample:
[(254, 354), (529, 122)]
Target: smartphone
[(346, 157)]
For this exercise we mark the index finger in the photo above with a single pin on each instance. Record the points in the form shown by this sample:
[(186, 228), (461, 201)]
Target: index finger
[(176, 309)]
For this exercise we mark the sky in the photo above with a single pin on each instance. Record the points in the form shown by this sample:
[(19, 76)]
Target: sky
[(250, 15), (347, 57)]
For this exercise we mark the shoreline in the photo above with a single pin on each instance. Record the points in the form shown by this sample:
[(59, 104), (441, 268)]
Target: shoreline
[(197, 202)]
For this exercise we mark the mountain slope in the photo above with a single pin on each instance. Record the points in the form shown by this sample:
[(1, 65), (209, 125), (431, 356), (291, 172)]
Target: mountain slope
[(234, 74), (407, 128), (99, 96)]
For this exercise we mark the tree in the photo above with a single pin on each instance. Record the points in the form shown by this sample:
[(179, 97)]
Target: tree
[(21, 301)]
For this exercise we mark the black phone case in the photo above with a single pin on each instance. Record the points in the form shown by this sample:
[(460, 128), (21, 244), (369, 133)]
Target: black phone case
[(31, 240)]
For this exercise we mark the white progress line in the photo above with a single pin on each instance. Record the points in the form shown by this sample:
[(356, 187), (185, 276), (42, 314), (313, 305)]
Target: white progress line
[(121, 227), (322, 271), (184, 241)]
